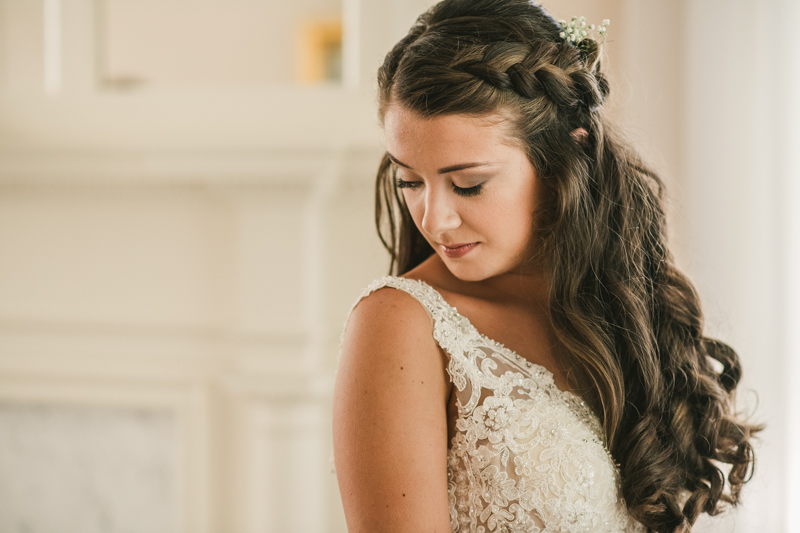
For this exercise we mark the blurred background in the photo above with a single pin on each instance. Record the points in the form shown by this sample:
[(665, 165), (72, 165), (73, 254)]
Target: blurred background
[(186, 218)]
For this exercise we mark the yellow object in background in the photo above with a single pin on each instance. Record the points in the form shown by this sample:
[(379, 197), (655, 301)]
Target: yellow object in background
[(320, 51)]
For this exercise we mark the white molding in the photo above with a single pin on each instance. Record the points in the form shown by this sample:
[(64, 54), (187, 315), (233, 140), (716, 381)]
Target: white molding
[(288, 467), (52, 24), (263, 365), (220, 167), (196, 119)]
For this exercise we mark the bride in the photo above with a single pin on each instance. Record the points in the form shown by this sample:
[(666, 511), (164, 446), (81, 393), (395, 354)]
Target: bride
[(538, 362)]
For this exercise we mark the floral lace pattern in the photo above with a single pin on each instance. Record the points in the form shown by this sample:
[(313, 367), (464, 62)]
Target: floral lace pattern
[(526, 456)]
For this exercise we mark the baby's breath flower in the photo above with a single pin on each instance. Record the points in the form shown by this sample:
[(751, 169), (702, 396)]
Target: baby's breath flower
[(577, 29)]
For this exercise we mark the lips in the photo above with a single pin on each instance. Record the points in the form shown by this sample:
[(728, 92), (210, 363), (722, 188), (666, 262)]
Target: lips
[(458, 250)]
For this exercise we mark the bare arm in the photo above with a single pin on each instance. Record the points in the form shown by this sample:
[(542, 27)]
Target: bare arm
[(389, 419)]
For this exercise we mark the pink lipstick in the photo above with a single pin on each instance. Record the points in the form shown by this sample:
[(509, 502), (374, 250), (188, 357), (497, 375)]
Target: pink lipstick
[(459, 250)]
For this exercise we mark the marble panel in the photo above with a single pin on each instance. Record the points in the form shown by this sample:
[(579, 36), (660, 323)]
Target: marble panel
[(87, 469)]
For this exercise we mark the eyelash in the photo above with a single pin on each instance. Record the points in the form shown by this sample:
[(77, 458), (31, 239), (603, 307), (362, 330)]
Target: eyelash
[(467, 192)]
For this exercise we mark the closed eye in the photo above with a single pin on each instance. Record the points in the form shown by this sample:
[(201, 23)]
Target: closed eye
[(402, 184), (461, 191), (468, 191)]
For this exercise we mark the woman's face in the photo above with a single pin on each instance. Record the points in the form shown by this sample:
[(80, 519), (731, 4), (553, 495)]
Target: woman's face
[(471, 193)]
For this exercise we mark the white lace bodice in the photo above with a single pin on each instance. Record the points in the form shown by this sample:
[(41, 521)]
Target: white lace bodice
[(526, 456)]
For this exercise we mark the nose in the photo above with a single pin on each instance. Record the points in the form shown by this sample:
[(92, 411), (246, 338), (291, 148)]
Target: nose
[(441, 214)]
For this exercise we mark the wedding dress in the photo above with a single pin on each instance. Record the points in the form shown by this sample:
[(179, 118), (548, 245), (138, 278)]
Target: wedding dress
[(526, 456)]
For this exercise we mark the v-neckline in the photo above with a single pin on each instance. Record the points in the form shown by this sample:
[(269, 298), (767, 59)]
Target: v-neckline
[(499, 347), (577, 403)]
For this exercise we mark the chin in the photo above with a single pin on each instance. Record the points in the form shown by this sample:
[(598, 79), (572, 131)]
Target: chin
[(468, 272), (468, 278)]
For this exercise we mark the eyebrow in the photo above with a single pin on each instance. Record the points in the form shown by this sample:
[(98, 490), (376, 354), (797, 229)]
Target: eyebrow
[(445, 170)]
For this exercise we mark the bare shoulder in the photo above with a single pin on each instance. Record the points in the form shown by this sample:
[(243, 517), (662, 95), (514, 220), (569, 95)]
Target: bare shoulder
[(390, 419), (388, 311), (389, 330)]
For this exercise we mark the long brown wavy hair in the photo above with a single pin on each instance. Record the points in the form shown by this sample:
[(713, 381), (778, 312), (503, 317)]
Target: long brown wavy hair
[(630, 320)]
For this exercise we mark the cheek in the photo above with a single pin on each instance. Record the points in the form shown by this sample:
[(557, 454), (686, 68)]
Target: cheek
[(516, 215), (415, 207), (409, 200)]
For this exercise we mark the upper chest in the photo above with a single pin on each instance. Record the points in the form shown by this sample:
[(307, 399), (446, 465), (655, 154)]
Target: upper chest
[(523, 329)]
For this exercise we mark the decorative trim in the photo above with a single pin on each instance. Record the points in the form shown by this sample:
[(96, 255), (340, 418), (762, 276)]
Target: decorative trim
[(266, 366), (278, 167)]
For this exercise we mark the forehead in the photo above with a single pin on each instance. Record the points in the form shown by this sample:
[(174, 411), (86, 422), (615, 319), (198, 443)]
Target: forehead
[(410, 135)]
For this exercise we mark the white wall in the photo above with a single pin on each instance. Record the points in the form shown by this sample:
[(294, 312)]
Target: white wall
[(164, 264), (739, 149), (180, 260), (242, 42)]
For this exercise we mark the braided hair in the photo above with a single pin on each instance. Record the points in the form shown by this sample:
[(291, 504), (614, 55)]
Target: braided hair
[(630, 320)]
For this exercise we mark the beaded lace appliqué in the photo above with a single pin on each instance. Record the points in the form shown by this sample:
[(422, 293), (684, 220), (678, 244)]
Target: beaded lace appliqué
[(526, 456)]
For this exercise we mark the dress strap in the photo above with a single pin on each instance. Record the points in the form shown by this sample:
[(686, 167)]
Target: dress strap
[(431, 300), (450, 329), (426, 295)]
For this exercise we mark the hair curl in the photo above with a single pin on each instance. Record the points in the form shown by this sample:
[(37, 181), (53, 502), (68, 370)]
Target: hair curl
[(630, 320)]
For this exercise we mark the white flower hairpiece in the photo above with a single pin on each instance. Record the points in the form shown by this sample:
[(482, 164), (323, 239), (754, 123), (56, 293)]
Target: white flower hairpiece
[(577, 30)]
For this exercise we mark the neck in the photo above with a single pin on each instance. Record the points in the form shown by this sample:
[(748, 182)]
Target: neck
[(524, 287)]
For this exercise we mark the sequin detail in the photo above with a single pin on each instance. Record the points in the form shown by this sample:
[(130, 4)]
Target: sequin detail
[(526, 456)]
